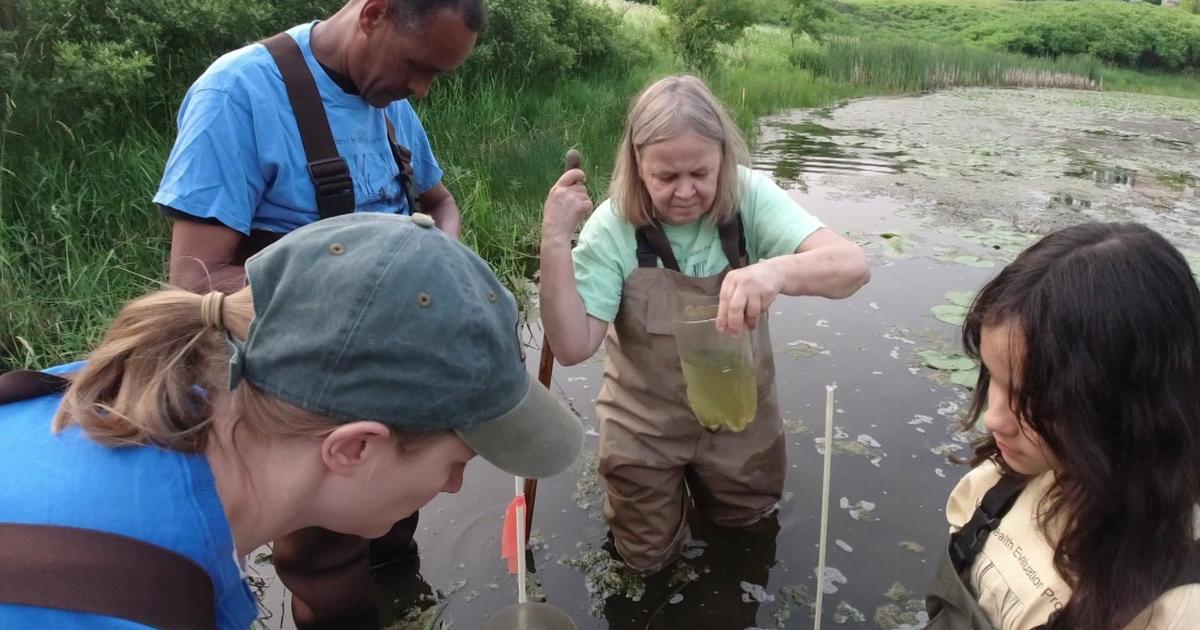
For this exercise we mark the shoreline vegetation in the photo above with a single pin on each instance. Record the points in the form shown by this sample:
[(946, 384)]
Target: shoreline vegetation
[(88, 95)]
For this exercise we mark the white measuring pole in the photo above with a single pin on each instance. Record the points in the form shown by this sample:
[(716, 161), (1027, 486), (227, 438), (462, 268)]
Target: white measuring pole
[(520, 544), (824, 502)]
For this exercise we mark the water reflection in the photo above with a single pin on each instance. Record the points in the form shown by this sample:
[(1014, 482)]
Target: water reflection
[(1110, 176), (811, 148)]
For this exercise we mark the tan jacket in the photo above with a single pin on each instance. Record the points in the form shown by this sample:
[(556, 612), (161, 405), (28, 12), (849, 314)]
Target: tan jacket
[(1014, 575)]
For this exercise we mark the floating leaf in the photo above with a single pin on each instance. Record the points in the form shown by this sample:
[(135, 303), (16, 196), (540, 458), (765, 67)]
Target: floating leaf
[(974, 261), (961, 298), (896, 245), (946, 360), (952, 314), (966, 378)]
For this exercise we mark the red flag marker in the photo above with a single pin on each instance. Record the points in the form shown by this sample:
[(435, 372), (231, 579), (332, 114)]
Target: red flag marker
[(508, 541)]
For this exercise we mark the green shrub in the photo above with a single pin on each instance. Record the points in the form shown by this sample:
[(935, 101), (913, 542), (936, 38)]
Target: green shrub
[(696, 27), (1130, 35), (1133, 35), (809, 17)]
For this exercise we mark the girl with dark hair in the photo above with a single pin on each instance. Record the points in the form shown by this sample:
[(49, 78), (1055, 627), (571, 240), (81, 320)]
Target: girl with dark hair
[(1081, 510)]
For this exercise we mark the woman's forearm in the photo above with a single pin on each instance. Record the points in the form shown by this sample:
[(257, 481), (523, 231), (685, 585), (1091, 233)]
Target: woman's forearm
[(564, 317), (835, 271)]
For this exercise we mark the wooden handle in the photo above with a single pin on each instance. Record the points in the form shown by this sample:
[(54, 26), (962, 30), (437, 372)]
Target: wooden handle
[(572, 160)]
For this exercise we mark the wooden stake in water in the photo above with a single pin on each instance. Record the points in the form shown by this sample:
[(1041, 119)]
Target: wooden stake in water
[(824, 502), (520, 544)]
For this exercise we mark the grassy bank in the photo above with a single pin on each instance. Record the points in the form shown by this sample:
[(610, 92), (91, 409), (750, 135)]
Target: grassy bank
[(79, 237), (1133, 35)]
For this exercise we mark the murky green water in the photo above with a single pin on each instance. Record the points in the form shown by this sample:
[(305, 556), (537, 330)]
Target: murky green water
[(942, 190)]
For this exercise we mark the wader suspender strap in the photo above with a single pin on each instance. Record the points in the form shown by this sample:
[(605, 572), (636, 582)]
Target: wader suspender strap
[(403, 158), (89, 571), (25, 384), (328, 170), (966, 543), (652, 244)]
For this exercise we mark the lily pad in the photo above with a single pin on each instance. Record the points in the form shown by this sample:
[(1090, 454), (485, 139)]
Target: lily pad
[(960, 257), (960, 298), (896, 245), (946, 360), (965, 378), (952, 314)]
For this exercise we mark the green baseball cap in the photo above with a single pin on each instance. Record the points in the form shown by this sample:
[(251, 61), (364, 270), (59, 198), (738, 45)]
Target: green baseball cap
[(382, 317)]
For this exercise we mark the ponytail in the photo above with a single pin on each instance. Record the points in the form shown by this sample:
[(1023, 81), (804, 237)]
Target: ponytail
[(153, 377)]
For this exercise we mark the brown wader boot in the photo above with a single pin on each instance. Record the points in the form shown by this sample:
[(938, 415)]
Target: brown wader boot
[(329, 574), (649, 437)]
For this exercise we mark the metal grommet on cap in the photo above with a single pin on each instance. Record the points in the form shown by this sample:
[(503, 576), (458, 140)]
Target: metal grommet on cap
[(424, 299), (337, 249), (492, 296), (423, 220)]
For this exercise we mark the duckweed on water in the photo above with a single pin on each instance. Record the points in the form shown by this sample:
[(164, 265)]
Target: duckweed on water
[(795, 426), (589, 492), (845, 612), (860, 511), (801, 349), (755, 593), (790, 598), (905, 612), (831, 579), (913, 546), (864, 446), (605, 577)]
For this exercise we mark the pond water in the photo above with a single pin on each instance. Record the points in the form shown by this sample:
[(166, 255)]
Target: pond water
[(941, 190)]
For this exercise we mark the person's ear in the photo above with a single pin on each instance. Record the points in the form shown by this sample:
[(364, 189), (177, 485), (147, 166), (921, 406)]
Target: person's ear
[(372, 15), (349, 446)]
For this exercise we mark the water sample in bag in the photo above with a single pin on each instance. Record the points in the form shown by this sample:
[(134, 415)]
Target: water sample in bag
[(722, 385)]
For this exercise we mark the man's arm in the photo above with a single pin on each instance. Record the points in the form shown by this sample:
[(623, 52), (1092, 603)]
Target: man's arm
[(202, 256), (438, 203)]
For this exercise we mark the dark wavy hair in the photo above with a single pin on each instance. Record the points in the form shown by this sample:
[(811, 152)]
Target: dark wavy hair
[(1110, 381), (412, 13)]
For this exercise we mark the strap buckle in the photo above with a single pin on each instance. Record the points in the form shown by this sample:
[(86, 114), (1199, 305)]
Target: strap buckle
[(335, 188)]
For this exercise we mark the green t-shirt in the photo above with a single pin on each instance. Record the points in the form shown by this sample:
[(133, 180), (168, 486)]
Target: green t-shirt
[(607, 250)]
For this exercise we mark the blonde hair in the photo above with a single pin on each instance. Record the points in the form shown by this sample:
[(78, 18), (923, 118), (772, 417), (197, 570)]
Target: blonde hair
[(156, 373), (664, 110)]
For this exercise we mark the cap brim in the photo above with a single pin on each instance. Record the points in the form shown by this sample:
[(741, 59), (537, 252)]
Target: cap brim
[(539, 437)]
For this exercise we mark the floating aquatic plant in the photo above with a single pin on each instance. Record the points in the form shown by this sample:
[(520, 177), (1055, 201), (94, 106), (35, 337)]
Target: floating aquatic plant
[(955, 256)]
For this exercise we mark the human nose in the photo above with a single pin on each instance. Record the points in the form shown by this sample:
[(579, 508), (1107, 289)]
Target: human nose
[(455, 482), (685, 189), (999, 418)]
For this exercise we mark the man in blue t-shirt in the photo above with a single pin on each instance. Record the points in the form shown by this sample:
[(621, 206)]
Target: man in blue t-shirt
[(239, 171), (238, 166)]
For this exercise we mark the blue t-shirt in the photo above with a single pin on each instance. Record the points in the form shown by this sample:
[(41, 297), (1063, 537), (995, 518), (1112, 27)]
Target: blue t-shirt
[(162, 497), (238, 156)]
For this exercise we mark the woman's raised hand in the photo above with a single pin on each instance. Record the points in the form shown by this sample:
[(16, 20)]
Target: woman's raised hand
[(567, 205)]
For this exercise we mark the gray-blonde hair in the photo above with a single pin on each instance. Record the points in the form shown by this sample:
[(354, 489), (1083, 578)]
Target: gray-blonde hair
[(664, 110)]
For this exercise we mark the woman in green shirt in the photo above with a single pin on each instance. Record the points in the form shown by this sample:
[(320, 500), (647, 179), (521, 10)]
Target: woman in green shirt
[(686, 219)]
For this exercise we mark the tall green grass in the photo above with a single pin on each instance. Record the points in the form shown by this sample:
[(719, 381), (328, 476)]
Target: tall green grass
[(918, 66)]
